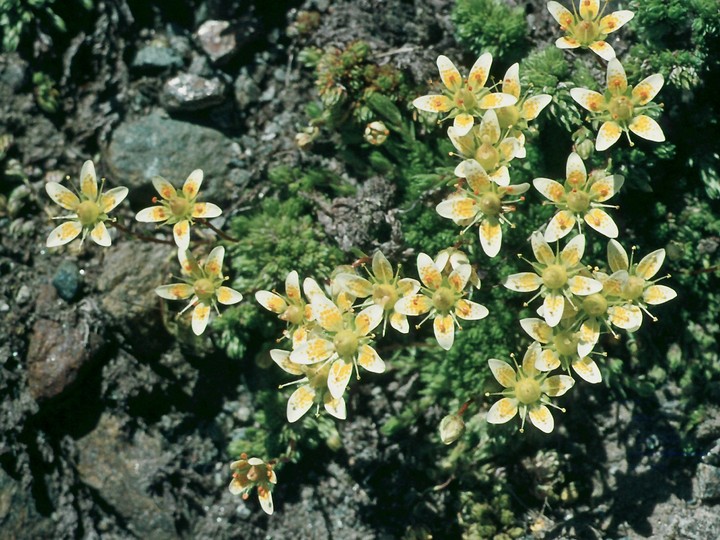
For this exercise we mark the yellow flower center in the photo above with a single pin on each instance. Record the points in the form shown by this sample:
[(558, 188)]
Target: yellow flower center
[(346, 343), (527, 391), (385, 295), (621, 108), (443, 299), (554, 276), (204, 289), (566, 343), (179, 206), (508, 116), (487, 156), (318, 375), (633, 288), (490, 204), (578, 201), (88, 213), (595, 305)]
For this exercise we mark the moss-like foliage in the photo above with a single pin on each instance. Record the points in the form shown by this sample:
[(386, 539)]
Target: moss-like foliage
[(492, 26)]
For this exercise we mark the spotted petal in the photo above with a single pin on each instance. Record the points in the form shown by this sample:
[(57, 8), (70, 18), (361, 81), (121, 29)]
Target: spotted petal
[(470, 311), (511, 81), (62, 234), (575, 171), (561, 14), (399, 322), (475, 174), (327, 314), (627, 317), (560, 225), (369, 359), (614, 284), (214, 262), (449, 74), (589, 334), (100, 235), (573, 251), (191, 187), (312, 289), (339, 376), (458, 208), (534, 105), (489, 127), (416, 304), (368, 319), (603, 49), (181, 233), (228, 296), (542, 418), (312, 351), (617, 256), (542, 251), (557, 385), (616, 78), (463, 123), (381, 267), (444, 328), (490, 236), (428, 272), (501, 177), (550, 189), (433, 103), (271, 301), (354, 284), (206, 210), (292, 286), (153, 214), (459, 277), (502, 411), (465, 145), (650, 264), (163, 187), (610, 23), (111, 198), (537, 329), (658, 294), (200, 318), (62, 196), (282, 359), (497, 100), (589, 9), (605, 188), (335, 407), (523, 282), (175, 291), (647, 128), (300, 402), (607, 136), (553, 307), (583, 286), (503, 372), (479, 72), (590, 100), (567, 42), (598, 219), (648, 88), (587, 369), (547, 360), (88, 180)]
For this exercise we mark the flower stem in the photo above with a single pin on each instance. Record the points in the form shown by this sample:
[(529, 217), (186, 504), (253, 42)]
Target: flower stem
[(141, 237), (213, 228)]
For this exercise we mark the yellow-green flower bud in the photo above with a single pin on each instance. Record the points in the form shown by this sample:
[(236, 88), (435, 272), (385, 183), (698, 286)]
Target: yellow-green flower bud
[(451, 428)]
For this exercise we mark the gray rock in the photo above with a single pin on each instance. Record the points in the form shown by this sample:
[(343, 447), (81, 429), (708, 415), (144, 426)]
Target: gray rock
[(218, 40), (707, 482), (154, 145), (56, 355), (67, 280), (188, 92), (157, 58), (18, 516), (127, 283), (122, 471), (247, 90), (13, 71)]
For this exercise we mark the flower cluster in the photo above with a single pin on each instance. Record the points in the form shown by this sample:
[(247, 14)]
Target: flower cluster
[(332, 332), (249, 473)]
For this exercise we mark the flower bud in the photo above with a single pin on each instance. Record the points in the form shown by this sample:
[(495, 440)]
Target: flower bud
[(376, 133), (305, 138), (451, 428)]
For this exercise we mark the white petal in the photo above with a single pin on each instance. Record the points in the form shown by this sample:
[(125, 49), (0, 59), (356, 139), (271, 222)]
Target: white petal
[(608, 135), (228, 296), (542, 418), (502, 411), (650, 264), (369, 359), (62, 234), (335, 406), (503, 372), (339, 376), (181, 234), (191, 187), (471, 311), (560, 226), (88, 180), (647, 128), (62, 196), (100, 235), (200, 318), (444, 328), (598, 219), (300, 402)]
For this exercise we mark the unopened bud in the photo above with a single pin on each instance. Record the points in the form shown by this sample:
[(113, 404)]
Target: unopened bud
[(451, 428), (376, 133)]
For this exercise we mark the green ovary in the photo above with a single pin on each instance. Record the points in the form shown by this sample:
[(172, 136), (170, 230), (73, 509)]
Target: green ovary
[(293, 314), (621, 108), (88, 213), (633, 288), (385, 295), (179, 206), (595, 305), (566, 343), (490, 204), (586, 32), (554, 276), (443, 299), (346, 343), (578, 201), (508, 116), (487, 156), (204, 289), (527, 391)]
